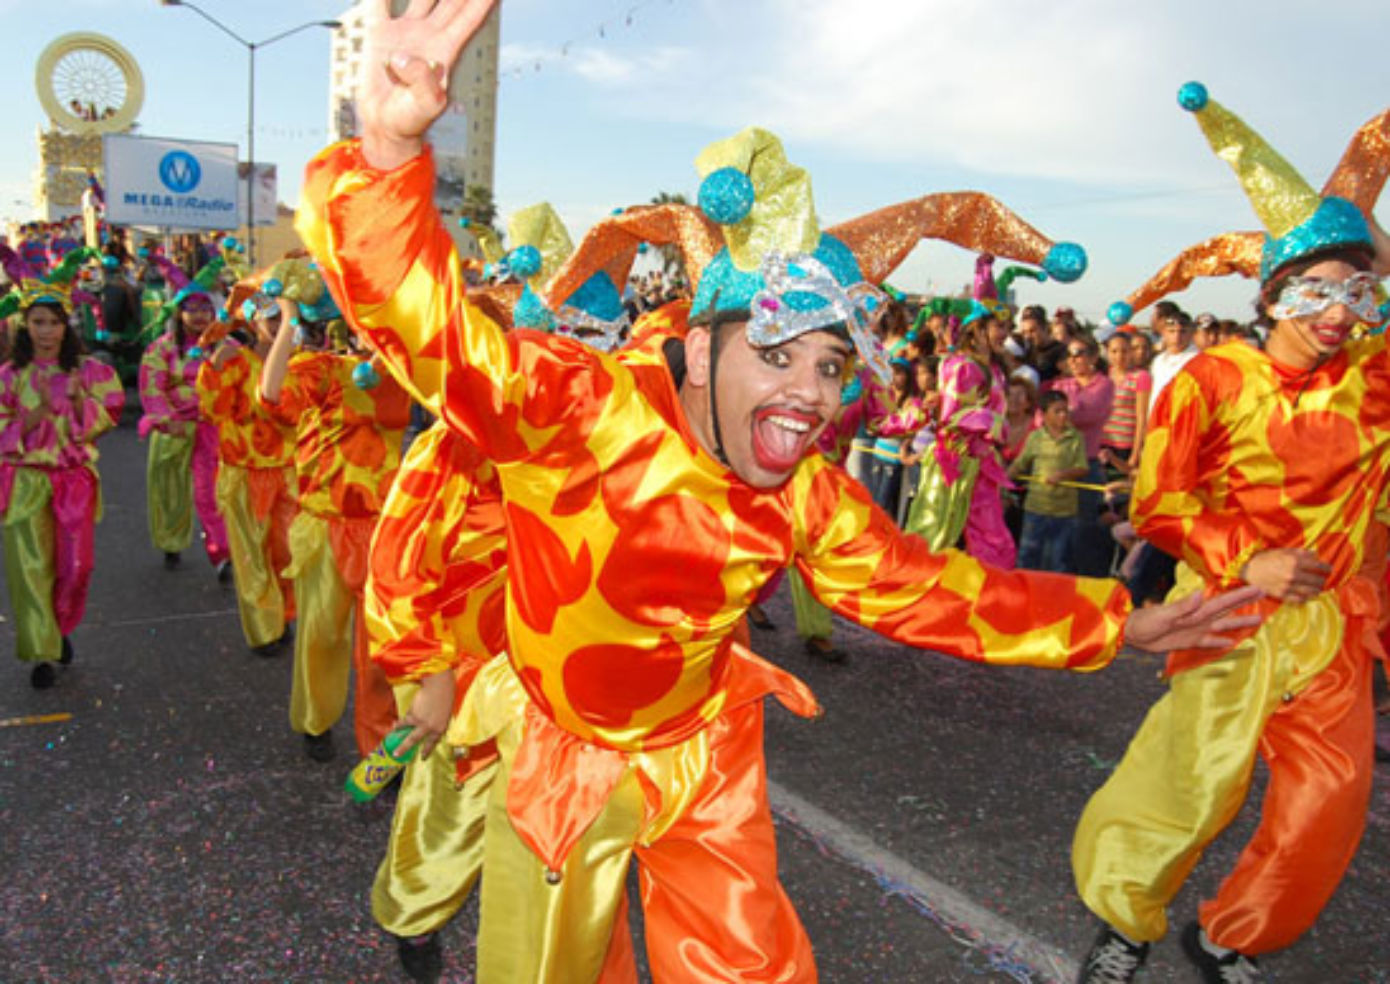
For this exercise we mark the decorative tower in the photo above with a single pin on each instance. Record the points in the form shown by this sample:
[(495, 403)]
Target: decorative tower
[(89, 86)]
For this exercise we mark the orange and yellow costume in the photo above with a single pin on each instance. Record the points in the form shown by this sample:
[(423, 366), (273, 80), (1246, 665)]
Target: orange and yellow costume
[(255, 491), (1245, 456), (626, 717), (347, 450), (433, 602)]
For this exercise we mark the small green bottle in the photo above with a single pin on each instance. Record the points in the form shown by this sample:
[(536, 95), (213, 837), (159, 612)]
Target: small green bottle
[(375, 772)]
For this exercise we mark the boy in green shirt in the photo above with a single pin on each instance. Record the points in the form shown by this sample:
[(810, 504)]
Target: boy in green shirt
[(1054, 453)]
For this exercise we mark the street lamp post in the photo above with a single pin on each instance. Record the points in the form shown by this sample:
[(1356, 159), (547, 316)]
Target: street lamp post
[(250, 47)]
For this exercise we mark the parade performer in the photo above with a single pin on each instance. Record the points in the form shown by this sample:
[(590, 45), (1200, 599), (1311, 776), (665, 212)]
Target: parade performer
[(1264, 468), (181, 474), (433, 598), (256, 488), (960, 491), (646, 501), (348, 422), (54, 404)]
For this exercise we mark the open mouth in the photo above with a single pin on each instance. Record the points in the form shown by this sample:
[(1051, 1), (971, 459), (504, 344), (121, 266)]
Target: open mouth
[(781, 437), (1331, 335)]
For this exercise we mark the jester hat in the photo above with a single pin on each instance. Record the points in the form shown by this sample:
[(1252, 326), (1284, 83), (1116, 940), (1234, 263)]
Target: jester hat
[(590, 310), (1299, 222), (584, 291), (1357, 181), (32, 287), (788, 277)]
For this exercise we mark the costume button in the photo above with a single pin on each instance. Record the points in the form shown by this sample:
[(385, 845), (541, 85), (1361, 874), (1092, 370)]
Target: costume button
[(1288, 697), (552, 877)]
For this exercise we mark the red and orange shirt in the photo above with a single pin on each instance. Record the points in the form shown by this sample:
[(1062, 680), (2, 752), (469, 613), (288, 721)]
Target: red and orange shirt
[(1245, 455), (348, 440), (247, 435)]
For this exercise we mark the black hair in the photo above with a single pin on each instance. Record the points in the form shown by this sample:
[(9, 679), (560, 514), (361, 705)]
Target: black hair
[(69, 351), (1049, 398)]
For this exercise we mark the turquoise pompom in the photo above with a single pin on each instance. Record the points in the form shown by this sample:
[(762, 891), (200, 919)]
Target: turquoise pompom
[(272, 288), (196, 352), (524, 261), (110, 262), (616, 211), (1119, 313), (1065, 262), (248, 309), (642, 247), (230, 243), (365, 376), (1193, 97), (727, 196), (465, 222)]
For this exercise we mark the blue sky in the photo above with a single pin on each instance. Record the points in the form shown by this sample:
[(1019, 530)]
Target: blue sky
[(1064, 110)]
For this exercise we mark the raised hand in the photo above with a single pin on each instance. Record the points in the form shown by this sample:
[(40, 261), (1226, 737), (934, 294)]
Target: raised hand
[(407, 64)]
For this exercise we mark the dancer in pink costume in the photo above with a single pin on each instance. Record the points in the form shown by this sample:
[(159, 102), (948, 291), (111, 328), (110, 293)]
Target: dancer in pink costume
[(182, 472)]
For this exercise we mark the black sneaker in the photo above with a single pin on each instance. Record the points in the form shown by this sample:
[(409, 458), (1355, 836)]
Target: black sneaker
[(172, 560), (320, 747), (1234, 968), (1113, 959), (43, 676), (224, 572), (422, 958), (66, 658)]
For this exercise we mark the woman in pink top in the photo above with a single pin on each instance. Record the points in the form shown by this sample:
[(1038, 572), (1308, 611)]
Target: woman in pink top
[(54, 402)]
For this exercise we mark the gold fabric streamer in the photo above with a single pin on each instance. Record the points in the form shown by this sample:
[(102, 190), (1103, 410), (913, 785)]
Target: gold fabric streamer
[(1219, 256), (1361, 173), (882, 239)]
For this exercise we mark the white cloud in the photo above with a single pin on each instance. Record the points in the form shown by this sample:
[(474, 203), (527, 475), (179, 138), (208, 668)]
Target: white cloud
[(1074, 90)]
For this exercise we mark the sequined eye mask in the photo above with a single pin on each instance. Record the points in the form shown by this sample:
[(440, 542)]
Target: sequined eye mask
[(779, 314), (1303, 297)]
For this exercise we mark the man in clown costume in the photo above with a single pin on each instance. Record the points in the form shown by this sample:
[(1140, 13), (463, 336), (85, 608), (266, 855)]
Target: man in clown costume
[(646, 501), (1264, 468)]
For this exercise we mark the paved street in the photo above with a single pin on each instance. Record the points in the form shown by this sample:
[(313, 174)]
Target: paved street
[(173, 829)]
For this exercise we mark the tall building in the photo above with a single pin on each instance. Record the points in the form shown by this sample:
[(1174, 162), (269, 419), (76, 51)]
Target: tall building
[(464, 138)]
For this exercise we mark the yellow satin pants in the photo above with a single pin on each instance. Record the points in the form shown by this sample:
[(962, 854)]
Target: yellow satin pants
[(329, 569), (435, 853), (1297, 693), (713, 907), (259, 545), (169, 491)]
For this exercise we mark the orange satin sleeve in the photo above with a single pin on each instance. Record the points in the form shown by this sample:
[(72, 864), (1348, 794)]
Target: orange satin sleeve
[(858, 563)]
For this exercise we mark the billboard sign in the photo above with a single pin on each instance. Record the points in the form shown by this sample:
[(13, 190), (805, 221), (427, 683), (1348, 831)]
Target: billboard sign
[(174, 184)]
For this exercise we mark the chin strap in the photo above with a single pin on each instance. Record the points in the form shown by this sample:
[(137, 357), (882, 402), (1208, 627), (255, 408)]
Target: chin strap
[(715, 432)]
